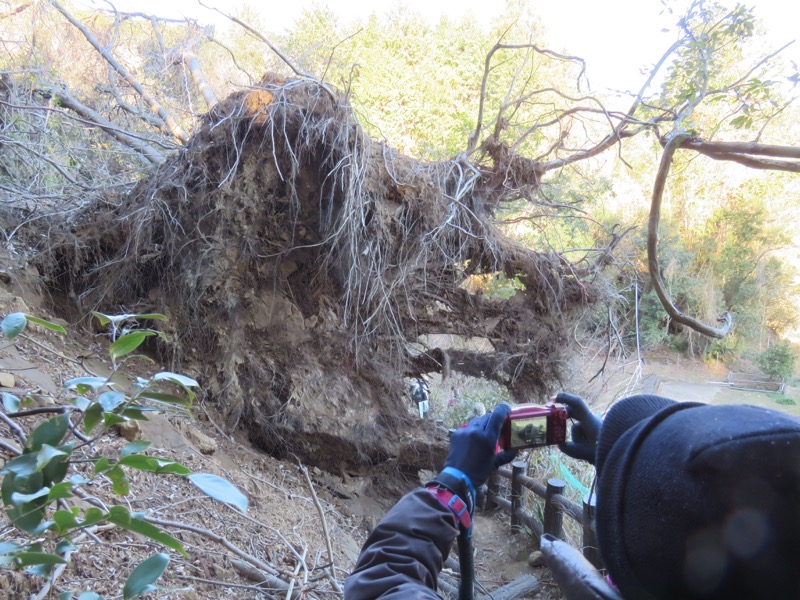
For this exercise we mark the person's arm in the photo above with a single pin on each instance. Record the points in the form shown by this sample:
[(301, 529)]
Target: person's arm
[(405, 552)]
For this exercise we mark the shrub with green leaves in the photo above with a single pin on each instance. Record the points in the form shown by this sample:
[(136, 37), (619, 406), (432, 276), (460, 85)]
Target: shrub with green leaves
[(38, 484), (777, 360)]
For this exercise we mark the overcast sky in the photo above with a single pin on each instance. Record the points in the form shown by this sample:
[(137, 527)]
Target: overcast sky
[(617, 37)]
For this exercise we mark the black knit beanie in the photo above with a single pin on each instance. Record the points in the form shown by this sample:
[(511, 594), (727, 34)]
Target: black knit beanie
[(699, 501)]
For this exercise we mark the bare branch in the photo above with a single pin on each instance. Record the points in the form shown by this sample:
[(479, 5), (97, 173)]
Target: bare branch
[(274, 49), (69, 101), (155, 106), (191, 62), (14, 11), (652, 249)]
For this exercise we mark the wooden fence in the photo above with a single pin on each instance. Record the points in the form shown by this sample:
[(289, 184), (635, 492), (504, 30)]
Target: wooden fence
[(556, 506), (754, 382)]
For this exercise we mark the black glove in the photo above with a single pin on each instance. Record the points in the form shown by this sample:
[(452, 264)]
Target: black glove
[(584, 432), (473, 455)]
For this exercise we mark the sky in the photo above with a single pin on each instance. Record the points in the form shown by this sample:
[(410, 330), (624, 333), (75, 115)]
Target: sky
[(617, 37)]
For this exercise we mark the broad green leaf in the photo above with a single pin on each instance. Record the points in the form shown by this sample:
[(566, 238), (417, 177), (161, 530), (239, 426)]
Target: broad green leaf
[(102, 465), (25, 559), (23, 484), (219, 489), (170, 467), (13, 325), (120, 516), (46, 454), (55, 470), (93, 515), (134, 447), (39, 570), (78, 479), (9, 547), (65, 520), (111, 400), (92, 417), (65, 546), (128, 343), (83, 384), (104, 319), (60, 491), (111, 419), (166, 398), (119, 481), (22, 465), (81, 403), (137, 412), (141, 580), (182, 380), (177, 378), (28, 517), (152, 317), (17, 498), (81, 596), (51, 432), (139, 461), (46, 324), (10, 402)]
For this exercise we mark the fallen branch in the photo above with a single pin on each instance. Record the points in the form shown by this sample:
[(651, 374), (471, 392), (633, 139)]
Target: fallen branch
[(321, 512), (191, 62), (67, 100), (237, 586), (155, 106), (652, 251), (258, 576)]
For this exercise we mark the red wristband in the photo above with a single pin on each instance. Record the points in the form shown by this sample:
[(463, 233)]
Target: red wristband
[(454, 503)]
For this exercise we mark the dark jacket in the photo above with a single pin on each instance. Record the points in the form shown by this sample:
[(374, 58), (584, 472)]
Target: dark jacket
[(404, 554)]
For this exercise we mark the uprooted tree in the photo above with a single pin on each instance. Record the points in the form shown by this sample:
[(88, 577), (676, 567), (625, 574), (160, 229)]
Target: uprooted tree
[(309, 269)]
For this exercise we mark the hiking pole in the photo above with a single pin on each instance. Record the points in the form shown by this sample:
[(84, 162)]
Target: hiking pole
[(466, 588)]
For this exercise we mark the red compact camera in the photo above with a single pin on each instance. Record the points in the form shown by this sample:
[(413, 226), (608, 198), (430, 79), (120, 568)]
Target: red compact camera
[(532, 425)]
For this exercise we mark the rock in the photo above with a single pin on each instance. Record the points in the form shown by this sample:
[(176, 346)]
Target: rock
[(536, 559), (7, 380), (130, 430), (203, 443)]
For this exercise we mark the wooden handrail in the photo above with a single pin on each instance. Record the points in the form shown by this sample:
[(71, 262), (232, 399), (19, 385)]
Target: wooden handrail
[(556, 505)]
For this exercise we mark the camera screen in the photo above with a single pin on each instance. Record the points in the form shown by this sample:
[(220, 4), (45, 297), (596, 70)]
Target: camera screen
[(529, 432)]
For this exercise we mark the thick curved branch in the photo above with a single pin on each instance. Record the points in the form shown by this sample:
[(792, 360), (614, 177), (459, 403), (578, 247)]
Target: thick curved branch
[(652, 248), (154, 105), (746, 153)]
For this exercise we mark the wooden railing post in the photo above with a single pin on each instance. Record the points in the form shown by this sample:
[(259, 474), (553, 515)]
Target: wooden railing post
[(553, 517), (518, 468), (590, 550), (493, 487)]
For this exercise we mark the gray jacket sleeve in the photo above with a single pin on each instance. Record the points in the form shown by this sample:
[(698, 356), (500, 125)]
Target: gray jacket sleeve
[(403, 555)]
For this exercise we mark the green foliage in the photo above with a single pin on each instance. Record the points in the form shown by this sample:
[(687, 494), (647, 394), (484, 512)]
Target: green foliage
[(37, 485), (143, 577), (783, 400), (777, 360)]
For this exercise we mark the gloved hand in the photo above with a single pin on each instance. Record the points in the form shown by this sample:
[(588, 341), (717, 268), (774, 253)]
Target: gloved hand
[(473, 448), (585, 432)]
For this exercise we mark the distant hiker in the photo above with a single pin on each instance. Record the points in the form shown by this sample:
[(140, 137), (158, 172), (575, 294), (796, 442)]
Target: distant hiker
[(694, 501), (420, 394)]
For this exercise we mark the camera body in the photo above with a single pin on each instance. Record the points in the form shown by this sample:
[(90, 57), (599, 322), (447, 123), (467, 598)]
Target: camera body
[(533, 425)]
